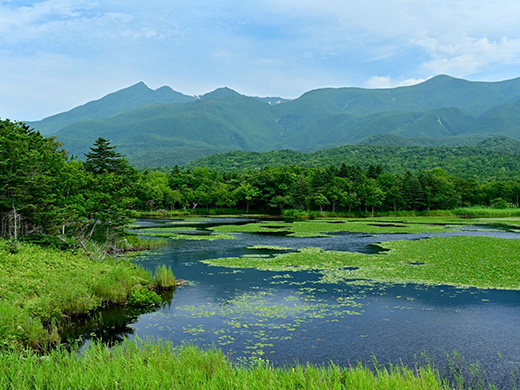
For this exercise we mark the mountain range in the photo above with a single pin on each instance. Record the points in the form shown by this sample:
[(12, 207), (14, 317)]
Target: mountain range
[(163, 127)]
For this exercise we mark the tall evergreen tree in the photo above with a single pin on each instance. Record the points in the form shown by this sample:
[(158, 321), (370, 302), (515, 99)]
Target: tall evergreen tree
[(104, 158)]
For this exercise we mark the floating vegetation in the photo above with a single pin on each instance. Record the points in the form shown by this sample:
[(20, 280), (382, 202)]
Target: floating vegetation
[(269, 248), (264, 316), (190, 236), (483, 262), (168, 228), (323, 227), (252, 256)]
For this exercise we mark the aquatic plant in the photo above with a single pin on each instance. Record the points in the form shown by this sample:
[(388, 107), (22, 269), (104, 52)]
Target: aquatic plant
[(483, 262), (163, 278), (144, 297), (322, 227), (175, 235)]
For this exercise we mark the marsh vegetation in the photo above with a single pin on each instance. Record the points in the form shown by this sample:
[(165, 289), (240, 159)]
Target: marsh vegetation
[(339, 290)]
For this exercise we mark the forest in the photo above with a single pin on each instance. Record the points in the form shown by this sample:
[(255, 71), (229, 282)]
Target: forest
[(45, 195)]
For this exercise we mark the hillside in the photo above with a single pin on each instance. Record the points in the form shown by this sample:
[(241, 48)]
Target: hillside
[(496, 158), (163, 127)]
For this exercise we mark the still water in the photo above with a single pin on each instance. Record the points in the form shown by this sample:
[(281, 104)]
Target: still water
[(288, 317)]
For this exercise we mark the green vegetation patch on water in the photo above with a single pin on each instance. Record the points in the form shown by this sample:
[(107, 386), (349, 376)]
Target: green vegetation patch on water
[(167, 228), (322, 227), (482, 262), (269, 248), (265, 316), (189, 236)]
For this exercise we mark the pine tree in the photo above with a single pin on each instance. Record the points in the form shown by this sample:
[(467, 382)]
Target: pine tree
[(104, 158)]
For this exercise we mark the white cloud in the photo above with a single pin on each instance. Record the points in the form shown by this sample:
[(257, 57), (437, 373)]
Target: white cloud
[(469, 55), (388, 82)]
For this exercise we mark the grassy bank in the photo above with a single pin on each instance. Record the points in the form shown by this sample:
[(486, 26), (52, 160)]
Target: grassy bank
[(40, 288), (135, 365)]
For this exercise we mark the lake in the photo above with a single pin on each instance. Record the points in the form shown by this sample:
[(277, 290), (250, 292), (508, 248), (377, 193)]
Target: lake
[(288, 317)]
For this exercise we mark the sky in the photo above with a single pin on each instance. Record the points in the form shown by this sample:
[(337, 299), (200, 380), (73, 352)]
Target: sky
[(59, 54)]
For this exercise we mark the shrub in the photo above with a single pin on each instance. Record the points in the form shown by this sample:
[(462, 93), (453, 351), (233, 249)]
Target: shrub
[(500, 203), (144, 297)]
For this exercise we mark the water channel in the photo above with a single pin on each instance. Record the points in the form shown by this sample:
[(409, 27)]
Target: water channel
[(288, 317)]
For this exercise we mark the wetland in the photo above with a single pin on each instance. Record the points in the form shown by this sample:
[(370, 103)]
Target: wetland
[(336, 291)]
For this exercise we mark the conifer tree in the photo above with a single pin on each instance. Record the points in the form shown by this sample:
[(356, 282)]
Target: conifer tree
[(104, 158)]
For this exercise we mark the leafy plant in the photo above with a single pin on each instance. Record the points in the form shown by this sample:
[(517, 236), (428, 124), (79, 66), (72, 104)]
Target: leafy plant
[(144, 297)]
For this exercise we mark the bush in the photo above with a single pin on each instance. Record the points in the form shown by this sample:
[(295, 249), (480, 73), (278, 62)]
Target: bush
[(500, 203), (144, 297)]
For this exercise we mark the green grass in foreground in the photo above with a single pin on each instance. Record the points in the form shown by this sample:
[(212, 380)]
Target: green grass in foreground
[(482, 262), (147, 365)]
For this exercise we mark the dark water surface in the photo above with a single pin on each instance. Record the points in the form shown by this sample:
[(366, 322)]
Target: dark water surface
[(289, 317)]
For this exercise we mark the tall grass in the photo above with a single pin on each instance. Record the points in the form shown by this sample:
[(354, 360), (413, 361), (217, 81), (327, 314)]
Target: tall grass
[(40, 288), (135, 243), (163, 279), (486, 212), (152, 365)]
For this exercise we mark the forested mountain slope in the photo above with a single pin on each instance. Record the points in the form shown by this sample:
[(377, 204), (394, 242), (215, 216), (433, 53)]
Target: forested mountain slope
[(494, 159), (164, 127)]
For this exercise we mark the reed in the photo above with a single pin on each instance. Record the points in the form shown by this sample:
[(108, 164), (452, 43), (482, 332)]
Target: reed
[(164, 278), (155, 365)]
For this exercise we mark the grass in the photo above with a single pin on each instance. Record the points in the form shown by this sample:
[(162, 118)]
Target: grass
[(163, 278), (482, 262), (40, 288), (134, 243), (483, 212), (152, 365)]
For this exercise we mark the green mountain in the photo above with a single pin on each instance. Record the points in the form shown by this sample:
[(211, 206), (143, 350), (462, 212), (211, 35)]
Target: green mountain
[(168, 134), (163, 127), (493, 159), (125, 100)]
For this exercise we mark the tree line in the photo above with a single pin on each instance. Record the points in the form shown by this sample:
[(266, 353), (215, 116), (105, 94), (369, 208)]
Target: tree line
[(44, 193), (347, 188)]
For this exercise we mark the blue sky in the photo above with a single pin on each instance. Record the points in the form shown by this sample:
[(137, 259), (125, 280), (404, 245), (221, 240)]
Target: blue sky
[(58, 54)]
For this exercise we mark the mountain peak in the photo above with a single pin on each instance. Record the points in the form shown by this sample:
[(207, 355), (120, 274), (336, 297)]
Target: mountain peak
[(441, 80), (137, 86), (220, 93), (115, 103)]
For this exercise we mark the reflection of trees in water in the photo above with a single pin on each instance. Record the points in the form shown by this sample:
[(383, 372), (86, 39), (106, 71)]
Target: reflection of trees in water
[(110, 325)]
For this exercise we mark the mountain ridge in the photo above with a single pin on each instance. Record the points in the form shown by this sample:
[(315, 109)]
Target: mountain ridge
[(175, 128)]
